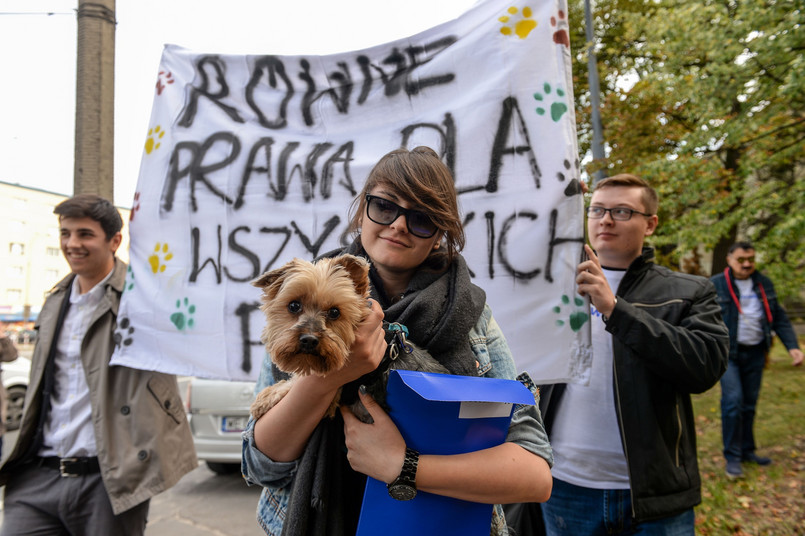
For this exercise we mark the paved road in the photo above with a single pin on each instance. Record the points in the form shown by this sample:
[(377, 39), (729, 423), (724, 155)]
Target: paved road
[(206, 504)]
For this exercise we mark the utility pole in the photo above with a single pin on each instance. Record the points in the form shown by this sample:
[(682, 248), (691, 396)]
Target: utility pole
[(95, 99), (595, 102)]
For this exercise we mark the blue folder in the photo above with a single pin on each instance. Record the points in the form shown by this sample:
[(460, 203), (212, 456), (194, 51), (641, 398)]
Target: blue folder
[(441, 414)]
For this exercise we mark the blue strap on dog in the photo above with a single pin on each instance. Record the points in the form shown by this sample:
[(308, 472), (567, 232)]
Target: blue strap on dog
[(398, 341)]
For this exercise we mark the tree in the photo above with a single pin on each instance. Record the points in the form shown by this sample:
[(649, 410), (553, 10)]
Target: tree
[(706, 100)]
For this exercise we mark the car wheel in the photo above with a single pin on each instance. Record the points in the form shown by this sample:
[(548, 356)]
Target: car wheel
[(16, 398), (223, 468)]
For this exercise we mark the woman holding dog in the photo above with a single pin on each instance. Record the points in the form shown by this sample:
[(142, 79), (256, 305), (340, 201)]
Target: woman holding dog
[(407, 224)]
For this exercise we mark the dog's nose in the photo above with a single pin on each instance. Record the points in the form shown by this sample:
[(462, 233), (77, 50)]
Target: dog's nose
[(308, 343)]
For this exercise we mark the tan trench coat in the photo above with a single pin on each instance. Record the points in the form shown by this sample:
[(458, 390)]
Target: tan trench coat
[(141, 431)]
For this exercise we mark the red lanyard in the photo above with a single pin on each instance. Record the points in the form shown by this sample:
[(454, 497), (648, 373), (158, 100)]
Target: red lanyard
[(738, 304)]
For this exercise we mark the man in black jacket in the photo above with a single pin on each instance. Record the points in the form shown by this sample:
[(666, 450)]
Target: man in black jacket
[(625, 444)]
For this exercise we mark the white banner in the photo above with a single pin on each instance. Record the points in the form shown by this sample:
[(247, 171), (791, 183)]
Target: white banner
[(253, 160)]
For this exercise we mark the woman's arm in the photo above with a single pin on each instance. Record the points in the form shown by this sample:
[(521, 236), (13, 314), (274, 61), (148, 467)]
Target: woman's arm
[(281, 434), (506, 473), (503, 474)]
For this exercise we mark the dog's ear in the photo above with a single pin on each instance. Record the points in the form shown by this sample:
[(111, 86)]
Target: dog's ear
[(273, 278), (267, 278), (358, 269)]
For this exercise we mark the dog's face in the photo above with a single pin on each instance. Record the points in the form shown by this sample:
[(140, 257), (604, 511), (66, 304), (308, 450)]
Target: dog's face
[(312, 311)]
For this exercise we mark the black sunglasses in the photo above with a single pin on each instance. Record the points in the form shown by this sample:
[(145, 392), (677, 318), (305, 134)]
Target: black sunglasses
[(385, 212)]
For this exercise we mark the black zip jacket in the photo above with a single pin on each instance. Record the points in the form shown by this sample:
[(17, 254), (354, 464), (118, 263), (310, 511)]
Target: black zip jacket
[(668, 341)]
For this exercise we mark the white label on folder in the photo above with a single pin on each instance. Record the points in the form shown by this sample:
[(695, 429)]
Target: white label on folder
[(484, 410)]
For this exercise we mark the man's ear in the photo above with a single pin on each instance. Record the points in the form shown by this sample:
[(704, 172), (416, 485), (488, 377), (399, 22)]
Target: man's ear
[(652, 225), (115, 241)]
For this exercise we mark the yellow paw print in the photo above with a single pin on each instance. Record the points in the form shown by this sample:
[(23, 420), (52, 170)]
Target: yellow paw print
[(152, 143), (155, 261), (522, 27)]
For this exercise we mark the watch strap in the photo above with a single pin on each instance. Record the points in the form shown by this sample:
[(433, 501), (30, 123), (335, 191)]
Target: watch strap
[(403, 488), (409, 467)]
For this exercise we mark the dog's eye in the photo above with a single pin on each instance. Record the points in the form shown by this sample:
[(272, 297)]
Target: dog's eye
[(295, 307), (333, 313)]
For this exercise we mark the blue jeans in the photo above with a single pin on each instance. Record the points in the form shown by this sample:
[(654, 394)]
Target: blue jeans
[(577, 511), (740, 388)]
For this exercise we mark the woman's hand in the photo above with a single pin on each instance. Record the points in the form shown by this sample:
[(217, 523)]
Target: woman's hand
[(376, 450), (367, 350)]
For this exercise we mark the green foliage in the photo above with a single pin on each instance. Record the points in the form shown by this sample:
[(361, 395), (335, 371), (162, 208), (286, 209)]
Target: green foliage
[(706, 100)]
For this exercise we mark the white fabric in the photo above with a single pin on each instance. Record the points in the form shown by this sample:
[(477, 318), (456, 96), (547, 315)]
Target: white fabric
[(252, 160), (750, 321), (68, 430), (585, 438)]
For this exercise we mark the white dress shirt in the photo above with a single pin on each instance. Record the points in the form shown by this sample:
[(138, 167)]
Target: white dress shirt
[(68, 431)]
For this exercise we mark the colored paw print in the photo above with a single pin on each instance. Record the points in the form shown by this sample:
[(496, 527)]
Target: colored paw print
[(560, 36), (129, 284), (164, 79), (577, 318), (558, 108), (154, 135), (135, 206), (123, 333), (522, 27), (155, 261), (183, 318)]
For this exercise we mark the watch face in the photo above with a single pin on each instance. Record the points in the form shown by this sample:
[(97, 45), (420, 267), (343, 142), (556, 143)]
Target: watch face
[(402, 492)]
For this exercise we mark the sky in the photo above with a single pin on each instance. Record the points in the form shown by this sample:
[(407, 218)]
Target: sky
[(38, 43)]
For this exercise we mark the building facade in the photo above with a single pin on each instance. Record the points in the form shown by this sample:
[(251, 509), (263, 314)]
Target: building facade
[(31, 261)]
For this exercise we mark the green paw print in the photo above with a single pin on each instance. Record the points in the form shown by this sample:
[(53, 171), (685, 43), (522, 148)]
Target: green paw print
[(154, 260), (577, 318), (183, 318), (129, 284), (558, 108), (522, 27), (154, 135)]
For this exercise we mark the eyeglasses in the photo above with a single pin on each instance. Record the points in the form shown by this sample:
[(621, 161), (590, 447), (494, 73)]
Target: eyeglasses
[(742, 260), (385, 212), (617, 213)]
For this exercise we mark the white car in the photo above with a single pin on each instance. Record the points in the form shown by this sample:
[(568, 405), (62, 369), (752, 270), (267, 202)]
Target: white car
[(217, 411), (15, 381)]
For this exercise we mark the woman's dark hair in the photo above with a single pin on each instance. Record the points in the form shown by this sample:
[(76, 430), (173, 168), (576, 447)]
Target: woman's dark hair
[(421, 178), (94, 207)]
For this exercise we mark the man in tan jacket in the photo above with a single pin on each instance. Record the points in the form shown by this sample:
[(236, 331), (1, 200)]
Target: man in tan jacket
[(96, 441)]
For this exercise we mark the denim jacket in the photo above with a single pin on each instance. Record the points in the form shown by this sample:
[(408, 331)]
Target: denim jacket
[(495, 361)]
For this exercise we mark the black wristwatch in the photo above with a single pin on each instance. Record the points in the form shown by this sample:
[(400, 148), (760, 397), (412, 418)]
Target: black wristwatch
[(403, 488)]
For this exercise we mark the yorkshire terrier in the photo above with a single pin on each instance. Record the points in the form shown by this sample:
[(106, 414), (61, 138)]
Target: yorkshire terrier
[(312, 312)]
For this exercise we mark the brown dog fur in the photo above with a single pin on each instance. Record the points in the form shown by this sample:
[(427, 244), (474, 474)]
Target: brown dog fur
[(312, 312)]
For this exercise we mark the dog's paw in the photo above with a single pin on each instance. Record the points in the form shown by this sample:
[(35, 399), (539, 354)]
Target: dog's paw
[(268, 398)]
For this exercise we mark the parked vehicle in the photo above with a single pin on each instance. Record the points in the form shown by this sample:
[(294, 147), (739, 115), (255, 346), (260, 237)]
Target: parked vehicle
[(15, 380), (218, 411), (26, 336)]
